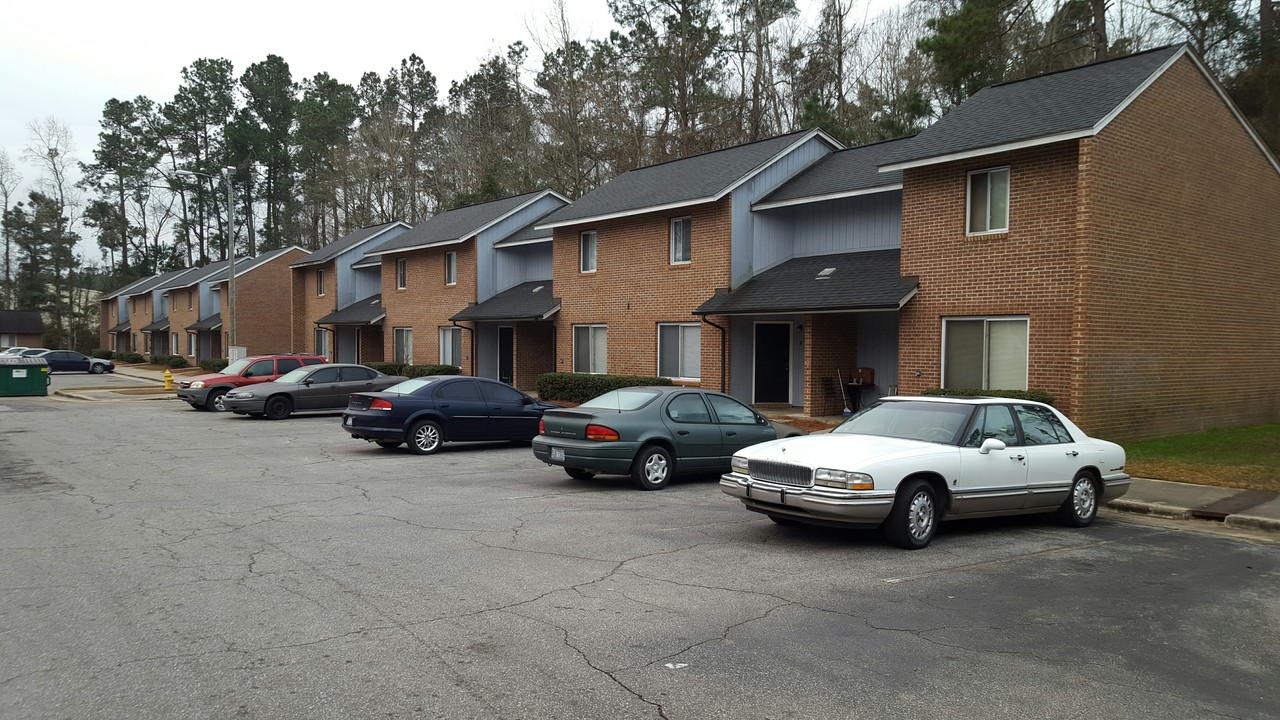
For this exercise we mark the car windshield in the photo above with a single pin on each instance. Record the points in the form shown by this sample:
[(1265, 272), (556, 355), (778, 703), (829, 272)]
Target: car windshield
[(929, 421), (293, 377), (624, 399), (408, 387), (235, 367)]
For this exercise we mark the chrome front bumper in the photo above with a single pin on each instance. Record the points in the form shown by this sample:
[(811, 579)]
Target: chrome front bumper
[(853, 508)]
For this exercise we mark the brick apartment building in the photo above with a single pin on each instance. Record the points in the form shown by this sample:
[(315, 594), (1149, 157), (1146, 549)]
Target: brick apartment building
[(263, 318), (183, 299)]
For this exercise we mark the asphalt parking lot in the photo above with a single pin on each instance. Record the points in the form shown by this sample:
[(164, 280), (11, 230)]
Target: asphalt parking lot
[(160, 562)]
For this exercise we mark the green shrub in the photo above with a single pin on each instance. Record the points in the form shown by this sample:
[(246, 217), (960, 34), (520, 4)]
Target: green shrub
[(102, 354), (414, 371), (157, 359), (177, 361), (581, 387), (214, 364), (132, 358), (1034, 395), (386, 368)]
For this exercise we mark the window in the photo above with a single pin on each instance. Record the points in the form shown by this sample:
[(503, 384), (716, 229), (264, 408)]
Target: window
[(192, 339), (284, 365), (680, 351), (680, 241), (688, 408), (451, 268), (498, 394), (402, 345), (587, 252), (261, 368), (175, 348), (320, 282), (356, 374), (1040, 426), (324, 375), (731, 411), (322, 342), (146, 343), (189, 306), (989, 201), (992, 421), (402, 274), (451, 346), (590, 348), (985, 353), (464, 390)]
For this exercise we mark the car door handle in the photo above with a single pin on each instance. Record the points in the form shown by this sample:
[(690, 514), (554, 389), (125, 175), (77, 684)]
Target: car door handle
[(1072, 453), (731, 434), (682, 432), (1017, 457)]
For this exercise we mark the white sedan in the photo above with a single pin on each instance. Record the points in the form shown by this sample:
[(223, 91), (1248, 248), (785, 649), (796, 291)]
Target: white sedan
[(906, 463)]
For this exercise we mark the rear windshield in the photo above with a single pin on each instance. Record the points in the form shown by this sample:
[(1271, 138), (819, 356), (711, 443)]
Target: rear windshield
[(930, 421), (624, 399), (408, 387)]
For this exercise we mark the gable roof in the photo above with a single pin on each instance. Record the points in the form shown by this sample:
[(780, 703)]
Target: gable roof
[(679, 183), (21, 322), (853, 281), (528, 234), (843, 173), (244, 265), (527, 301), (458, 225), (121, 291), (362, 312), (152, 282), (347, 242), (191, 277), (1053, 107)]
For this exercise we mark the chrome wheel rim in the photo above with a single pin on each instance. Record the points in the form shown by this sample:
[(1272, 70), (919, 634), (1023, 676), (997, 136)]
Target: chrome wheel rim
[(920, 516), (427, 437), (218, 403), (1084, 498), (655, 468)]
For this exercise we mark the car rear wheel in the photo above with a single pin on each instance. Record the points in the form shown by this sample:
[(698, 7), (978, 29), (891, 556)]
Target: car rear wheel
[(579, 473), (425, 438), (388, 444), (1081, 506), (914, 518), (95, 369), (652, 468), (278, 408), (215, 400)]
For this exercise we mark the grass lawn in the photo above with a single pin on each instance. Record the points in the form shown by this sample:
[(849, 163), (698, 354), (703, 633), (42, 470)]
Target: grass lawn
[(1247, 457)]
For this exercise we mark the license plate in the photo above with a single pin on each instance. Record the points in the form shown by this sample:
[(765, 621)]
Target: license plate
[(557, 454)]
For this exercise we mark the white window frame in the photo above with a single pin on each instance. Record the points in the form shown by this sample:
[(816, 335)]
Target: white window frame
[(319, 282), (402, 351), (986, 351), (573, 357), (193, 344), (451, 268), (322, 343), (680, 352), (968, 201), (402, 273), (450, 337), (175, 346), (595, 251), (671, 229)]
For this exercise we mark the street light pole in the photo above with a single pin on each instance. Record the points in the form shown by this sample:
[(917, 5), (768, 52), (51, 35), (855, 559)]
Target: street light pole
[(231, 251)]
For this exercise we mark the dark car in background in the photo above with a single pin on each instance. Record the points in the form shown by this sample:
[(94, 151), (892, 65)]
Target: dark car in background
[(72, 361), (428, 411), (312, 387), (652, 433)]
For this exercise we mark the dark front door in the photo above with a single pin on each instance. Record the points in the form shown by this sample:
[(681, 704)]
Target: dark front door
[(773, 363), (506, 355)]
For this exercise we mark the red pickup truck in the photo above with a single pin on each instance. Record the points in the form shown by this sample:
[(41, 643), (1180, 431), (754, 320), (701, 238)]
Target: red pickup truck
[(204, 392)]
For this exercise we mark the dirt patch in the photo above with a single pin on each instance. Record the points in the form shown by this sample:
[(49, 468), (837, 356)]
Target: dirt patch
[(1245, 477), (807, 424)]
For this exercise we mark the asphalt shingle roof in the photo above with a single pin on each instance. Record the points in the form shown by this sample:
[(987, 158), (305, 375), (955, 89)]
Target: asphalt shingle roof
[(869, 280), (161, 324), (528, 233), (841, 172), (190, 277), (1043, 106), (341, 245), (694, 178), (21, 322), (526, 301), (213, 322), (122, 290), (122, 327), (455, 225), (244, 265), (363, 312), (153, 282)]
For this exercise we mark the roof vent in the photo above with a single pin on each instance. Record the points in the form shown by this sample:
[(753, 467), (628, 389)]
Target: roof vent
[(825, 274), (539, 288)]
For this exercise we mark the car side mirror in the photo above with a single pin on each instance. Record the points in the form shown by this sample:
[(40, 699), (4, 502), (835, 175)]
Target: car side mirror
[(991, 444), (762, 420), (308, 382)]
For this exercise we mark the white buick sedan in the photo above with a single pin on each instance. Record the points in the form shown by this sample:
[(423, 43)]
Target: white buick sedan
[(906, 463)]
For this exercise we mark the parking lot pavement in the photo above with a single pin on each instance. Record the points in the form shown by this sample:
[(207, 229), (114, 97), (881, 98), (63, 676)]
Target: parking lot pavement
[(158, 562)]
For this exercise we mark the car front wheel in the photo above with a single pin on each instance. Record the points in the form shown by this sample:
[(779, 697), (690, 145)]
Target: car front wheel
[(914, 518), (425, 438), (95, 369), (1081, 506), (278, 408), (652, 468), (215, 400)]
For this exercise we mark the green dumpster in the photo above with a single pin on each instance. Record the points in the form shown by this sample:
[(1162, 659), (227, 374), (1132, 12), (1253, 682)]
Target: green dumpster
[(23, 376)]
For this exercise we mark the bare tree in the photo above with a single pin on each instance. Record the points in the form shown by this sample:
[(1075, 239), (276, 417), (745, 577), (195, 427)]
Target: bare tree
[(50, 148)]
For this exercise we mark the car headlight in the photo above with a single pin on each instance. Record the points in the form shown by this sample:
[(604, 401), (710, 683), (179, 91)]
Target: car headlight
[(197, 384), (843, 479), (739, 465), (242, 395)]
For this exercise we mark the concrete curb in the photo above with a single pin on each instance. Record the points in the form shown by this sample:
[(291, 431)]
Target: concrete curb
[(1156, 509)]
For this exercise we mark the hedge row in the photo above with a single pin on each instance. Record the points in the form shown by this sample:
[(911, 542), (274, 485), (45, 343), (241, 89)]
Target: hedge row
[(173, 361), (1033, 395), (413, 371), (581, 387), (130, 357), (214, 364), (102, 354)]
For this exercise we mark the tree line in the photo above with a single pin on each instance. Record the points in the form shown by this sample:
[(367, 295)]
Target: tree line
[(313, 158)]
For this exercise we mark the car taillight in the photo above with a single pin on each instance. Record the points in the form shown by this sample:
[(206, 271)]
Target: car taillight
[(380, 404), (600, 432), (542, 427)]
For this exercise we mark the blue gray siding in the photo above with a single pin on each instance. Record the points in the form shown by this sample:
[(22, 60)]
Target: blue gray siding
[(364, 283), (863, 222), (355, 284), (487, 273), (519, 264), (878, 349)]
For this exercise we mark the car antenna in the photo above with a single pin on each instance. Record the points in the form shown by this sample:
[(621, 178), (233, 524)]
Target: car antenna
[(840, 382)]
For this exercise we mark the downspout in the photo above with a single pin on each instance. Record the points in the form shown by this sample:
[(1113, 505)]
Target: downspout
[(473, 345), (722, 351)]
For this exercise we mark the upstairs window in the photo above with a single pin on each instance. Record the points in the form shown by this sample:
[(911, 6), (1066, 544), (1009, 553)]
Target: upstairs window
[(320, 282), (681, 245), (451, 268), (188, 299), (988, 201), (587, 252), (402, 274)]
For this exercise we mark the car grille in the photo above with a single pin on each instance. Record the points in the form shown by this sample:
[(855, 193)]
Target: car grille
[(780, 473), (184, 384)]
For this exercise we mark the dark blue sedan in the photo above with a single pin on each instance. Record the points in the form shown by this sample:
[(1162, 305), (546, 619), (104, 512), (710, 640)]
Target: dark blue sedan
[(428, 411)]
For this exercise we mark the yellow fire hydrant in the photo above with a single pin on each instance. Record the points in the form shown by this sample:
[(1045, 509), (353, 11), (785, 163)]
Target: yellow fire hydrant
[(168, 379)]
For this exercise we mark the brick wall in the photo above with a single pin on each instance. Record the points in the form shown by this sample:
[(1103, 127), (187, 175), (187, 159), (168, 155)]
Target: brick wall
[(263, 325), (635, 286), (371, 344), (139, 307), (830, 344), (309, 306), (180, 317), (426, 303), (535, 352)]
